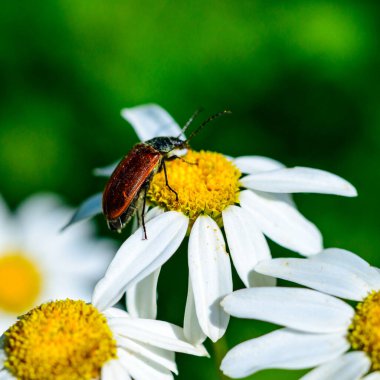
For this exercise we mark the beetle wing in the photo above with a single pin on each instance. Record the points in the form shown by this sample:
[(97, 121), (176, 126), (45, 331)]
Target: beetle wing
[(128, 178)]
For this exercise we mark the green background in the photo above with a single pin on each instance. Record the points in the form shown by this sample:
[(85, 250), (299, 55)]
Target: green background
[(301, 77)]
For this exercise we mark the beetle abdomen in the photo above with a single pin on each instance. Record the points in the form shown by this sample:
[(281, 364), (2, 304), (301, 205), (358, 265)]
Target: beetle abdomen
[(128, 178)]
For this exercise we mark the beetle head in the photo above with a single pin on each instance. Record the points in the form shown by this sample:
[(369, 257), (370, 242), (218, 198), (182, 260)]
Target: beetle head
[(166, 144)]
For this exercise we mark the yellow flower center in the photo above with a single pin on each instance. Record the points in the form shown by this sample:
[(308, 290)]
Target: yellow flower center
[(20, 283), (364, 332), (61, 340), (206, 183)]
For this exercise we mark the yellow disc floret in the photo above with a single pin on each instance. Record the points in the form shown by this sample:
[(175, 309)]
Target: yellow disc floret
[(206, 183), (62, 340), (20, 283), (364, 332)]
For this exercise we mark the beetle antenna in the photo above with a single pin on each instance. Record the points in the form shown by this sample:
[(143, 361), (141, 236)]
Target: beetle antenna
[(211, 118), (193, 116)]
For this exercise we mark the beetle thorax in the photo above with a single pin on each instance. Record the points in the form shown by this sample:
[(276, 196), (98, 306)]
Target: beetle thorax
[(166, 144)]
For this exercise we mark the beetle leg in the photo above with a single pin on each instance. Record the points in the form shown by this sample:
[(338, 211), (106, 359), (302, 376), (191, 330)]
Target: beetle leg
[(171, 158), (167, 183), (143, 214)]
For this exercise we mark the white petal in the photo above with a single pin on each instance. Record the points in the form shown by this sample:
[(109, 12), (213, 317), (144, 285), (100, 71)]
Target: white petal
[(113, 370), (81, 259), (327, 278), (69, 262), (138, 258), (191, 328), (351, 366), (247, 246), (90, 207), (256, 164), (153, 212), (8, 228), (281, 222), (39, 205), (301, 309), (210, 273), (6, 375), (149, 214), (299, 180), (284, 348), (142, 297), (342, 257), (288, 198), (106, 171), (6, 321), (351, 262), (372, 376), (156, 333), (151, 120), (48, 217), (142, 368), (162, 357), (62, 287), (114, 312)]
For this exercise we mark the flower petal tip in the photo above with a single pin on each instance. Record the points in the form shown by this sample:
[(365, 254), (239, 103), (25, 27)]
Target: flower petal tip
[(351, 191), (225, 367), (202, 350)]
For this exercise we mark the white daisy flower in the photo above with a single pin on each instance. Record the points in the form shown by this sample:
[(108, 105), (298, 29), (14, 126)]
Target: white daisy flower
[(320, 331), (211, 194), (38, 263), (73, 340)]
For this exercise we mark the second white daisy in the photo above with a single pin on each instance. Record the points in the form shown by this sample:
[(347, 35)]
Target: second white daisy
[(319, 328)]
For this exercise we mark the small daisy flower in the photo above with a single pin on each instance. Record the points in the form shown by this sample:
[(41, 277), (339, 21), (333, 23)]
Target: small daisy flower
[(320, 330), (38, 263), (73, 340), (212, 193)]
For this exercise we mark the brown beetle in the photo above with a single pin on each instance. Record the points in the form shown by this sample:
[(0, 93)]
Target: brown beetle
[(126, 190)]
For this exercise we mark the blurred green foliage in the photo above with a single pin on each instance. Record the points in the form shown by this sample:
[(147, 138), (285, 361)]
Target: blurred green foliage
[(301, 78)]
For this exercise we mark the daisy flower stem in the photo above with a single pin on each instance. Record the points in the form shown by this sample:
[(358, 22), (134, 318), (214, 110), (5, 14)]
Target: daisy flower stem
[(220, 349)]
